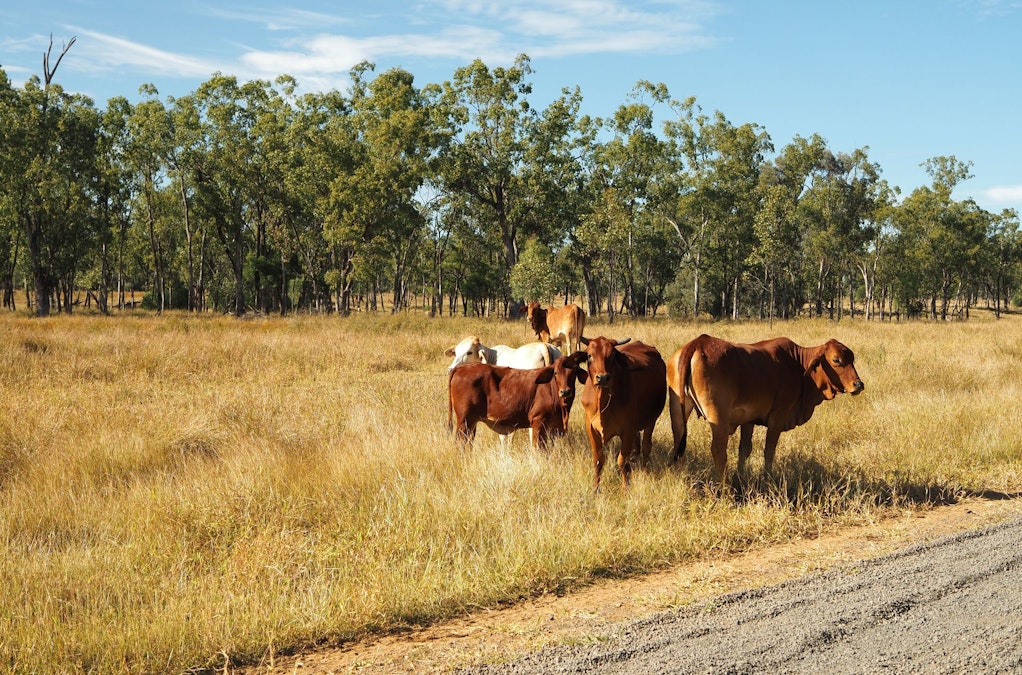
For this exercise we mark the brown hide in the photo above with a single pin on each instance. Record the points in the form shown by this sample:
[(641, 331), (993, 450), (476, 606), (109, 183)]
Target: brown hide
[(506, 399), (775, 383), (624, 394), (561, 325)]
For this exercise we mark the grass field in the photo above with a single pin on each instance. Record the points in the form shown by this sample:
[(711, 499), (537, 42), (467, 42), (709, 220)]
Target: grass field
[(183, 493)]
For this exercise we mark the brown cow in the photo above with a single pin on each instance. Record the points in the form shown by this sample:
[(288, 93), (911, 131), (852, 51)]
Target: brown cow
[(559, 325), (775, 383), (506, 399), (624, 394)]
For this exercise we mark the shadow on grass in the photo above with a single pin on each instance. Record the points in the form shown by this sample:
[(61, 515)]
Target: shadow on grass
[(800, 481)]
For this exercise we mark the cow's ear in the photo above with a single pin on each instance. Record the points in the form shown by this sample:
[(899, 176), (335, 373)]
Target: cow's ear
[(582, 375), (575, 360), (449, 351), (523, 309), (545, 376), (584, 340)]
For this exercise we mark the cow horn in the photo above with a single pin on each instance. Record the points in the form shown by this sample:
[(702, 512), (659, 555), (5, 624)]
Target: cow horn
[(622, 342)]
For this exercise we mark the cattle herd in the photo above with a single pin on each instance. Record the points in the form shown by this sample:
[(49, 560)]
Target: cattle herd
[(774, 383)]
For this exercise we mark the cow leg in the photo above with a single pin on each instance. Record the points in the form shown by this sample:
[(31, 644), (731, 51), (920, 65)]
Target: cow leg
[(679, 424), (718, 449), (466, 432), (770, 448), (624, 464), (647, 445), (599, 456), (744, 446), (538, 436)]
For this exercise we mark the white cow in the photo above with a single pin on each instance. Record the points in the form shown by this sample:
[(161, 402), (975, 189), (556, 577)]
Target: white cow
[(531, 355)]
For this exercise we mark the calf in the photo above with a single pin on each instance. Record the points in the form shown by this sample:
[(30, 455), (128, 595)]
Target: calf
[(506, 399)]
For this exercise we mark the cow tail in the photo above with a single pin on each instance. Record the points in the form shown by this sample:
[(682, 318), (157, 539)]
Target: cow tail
[(683, 381)]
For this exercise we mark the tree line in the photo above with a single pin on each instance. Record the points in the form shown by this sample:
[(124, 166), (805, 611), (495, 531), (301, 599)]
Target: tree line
[(464, 198)]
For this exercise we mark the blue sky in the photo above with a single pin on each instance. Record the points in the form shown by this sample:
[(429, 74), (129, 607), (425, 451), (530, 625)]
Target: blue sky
[(911, 79)]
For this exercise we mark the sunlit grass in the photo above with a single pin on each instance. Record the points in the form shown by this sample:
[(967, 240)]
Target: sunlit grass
[(177, 492)]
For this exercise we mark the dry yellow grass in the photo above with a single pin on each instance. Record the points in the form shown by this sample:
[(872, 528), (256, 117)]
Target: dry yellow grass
[(181, 491)]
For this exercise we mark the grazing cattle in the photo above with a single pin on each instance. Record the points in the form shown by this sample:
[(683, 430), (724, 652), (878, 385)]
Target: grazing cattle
[(506, 399), (775, 383), (624, 394), (531, 355), (560, 325)]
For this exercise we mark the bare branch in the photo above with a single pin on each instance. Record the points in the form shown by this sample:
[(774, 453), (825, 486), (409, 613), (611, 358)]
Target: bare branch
[(48, 73)]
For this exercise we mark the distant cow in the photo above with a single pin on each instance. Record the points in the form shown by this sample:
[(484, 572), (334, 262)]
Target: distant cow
[(531, 355), (560, 325), (775, 383), (506, 399), (624, 394)]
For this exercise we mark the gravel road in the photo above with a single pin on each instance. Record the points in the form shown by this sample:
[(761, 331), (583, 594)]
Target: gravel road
[(953, 605)]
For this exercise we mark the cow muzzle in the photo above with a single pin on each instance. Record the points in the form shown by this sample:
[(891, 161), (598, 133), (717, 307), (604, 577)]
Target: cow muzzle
[(857, 387), (602, 380)]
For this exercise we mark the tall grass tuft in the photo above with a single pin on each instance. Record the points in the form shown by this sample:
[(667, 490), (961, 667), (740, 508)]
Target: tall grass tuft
[(180, 493)]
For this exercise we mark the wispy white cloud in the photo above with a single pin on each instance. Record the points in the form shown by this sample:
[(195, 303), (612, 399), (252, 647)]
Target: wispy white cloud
[(994, 8), (101, 52), (1004, 194), (320, 49), (280, 19), (495, 32)]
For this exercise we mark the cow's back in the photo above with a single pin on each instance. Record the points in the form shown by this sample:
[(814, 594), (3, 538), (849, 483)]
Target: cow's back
[(647, 379), (740, 383)]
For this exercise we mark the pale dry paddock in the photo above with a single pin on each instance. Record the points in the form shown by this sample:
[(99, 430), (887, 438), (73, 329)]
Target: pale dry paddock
[(180, 491)]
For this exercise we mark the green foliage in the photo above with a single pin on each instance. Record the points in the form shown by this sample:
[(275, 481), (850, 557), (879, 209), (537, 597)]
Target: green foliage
[(465, 195), (534, 276)]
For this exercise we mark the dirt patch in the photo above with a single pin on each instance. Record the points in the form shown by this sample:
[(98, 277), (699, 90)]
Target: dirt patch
[(584, 616)]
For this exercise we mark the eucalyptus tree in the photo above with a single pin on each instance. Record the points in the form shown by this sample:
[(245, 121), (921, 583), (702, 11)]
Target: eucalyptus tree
[(318, 152), (629, 238), (272, 260), (378, 157), (185, 154), (557, 177), (10, 231), (718, 200), (150, 139), (781, 223), (50, 152), (843, 203), (1005, 256), (398, 146), (113, 194), (227, 168), (940, 238), (487, 115)]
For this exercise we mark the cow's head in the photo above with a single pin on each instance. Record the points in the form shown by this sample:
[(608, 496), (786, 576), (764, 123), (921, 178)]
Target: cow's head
[(603, 358), (466, 351), (833, 371), (536, 317), (567, 371)]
